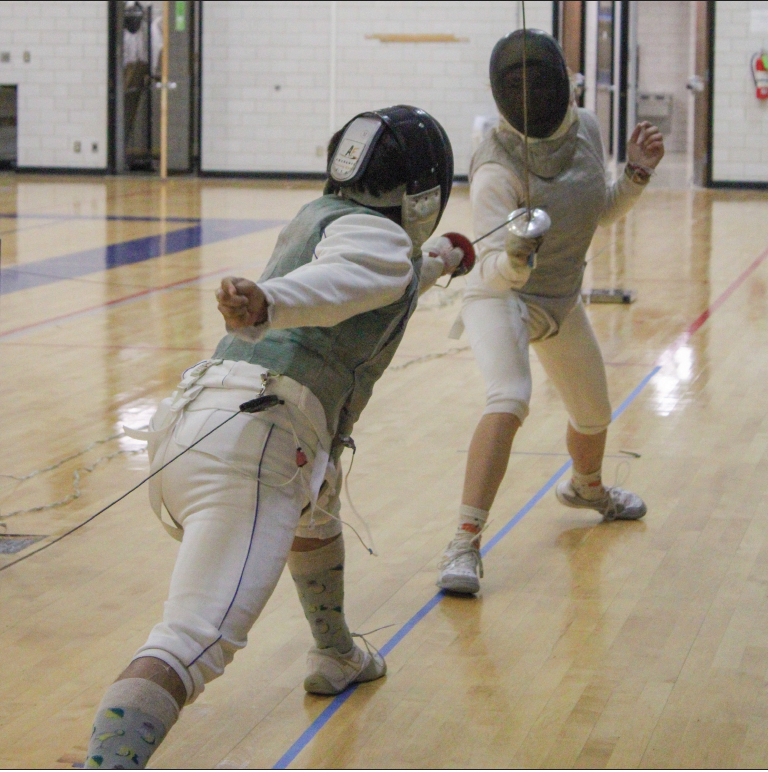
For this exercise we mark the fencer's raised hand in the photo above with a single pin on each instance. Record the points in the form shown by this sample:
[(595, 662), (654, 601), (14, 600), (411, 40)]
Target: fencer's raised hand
[(241, 303), (442, 248), (520, 248), (645, 146)]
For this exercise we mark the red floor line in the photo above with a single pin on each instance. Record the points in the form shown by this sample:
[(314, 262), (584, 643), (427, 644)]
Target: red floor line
[(116, 301), (681, 341), (684, 337), (105, 347)]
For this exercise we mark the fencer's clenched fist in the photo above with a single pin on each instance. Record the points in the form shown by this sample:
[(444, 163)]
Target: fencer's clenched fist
[(442, 247), (241, 302), (520, 249)]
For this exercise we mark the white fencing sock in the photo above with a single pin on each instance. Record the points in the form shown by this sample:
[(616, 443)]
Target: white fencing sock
[(471, 522), (133, 718), (319, 578), (588, 486)]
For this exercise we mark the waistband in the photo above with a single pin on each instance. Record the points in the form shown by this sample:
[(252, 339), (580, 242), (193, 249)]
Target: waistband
[(226, 384)]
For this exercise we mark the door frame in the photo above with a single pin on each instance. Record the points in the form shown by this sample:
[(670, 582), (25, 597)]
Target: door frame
[(115, 88)]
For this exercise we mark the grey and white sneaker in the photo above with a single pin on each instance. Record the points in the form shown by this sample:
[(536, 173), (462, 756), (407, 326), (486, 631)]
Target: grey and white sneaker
[(617, 504), (461, 567), (329, 672)]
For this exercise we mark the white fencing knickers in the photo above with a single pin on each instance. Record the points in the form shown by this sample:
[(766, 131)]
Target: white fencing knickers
[(500, 327), (238, 496)]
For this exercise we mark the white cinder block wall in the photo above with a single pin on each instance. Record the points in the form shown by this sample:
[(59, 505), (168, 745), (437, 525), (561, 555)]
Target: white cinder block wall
[(277, 76), (265, 89), (62, 89), (663, 56), (740, 131)]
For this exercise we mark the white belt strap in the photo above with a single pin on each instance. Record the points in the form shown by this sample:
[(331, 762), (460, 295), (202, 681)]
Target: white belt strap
[(192, 394), (319, 469)]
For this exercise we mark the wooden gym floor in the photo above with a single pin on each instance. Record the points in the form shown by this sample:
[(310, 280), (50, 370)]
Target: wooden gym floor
[(591, 645)]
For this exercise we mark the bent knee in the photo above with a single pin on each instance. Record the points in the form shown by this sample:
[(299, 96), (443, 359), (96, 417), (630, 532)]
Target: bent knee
[(196, 652)]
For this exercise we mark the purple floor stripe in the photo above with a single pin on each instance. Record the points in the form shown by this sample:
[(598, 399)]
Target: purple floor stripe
[(76, 264)]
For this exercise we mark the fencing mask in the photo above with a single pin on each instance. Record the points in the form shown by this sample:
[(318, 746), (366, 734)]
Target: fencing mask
[(428, 162), (549, 87), (133, 15)]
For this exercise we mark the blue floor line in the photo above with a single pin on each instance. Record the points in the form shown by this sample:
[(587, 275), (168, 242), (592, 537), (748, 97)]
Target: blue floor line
[(310, 733), (526, 509), (77, 264), (99, 217)]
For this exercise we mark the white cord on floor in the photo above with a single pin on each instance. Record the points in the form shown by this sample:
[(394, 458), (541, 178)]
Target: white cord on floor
[(75, 476), (87, 469), (428, 357)]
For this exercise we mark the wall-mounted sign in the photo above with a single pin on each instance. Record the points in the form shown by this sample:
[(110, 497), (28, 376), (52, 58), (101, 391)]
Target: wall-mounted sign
[(180, 16), (410, 38)]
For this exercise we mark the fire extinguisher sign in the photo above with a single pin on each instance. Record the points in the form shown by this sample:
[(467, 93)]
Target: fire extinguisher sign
[(759, 70)]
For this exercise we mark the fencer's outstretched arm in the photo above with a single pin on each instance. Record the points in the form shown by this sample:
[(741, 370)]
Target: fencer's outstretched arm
[(362, 263)]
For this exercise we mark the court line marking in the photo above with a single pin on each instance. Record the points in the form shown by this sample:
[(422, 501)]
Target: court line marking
[(102, 258), (109, 346), (309, 734), (100, 217), (330, 710), (19, 331), (25, 329)]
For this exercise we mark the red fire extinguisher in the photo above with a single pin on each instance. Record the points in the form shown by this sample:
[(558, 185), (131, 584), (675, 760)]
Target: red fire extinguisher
[(759, 69)]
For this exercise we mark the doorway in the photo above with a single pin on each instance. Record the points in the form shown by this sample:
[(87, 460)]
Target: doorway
[(8, 127), (136, 48), (597, 36), (650, 61)]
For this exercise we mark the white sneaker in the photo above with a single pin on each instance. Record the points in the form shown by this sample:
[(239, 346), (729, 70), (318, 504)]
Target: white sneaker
[(617, 504), (329, 672), (461, 567)]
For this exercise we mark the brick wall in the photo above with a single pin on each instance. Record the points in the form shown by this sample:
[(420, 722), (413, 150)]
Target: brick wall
[(62, 89), (740, 132), (277, 76)]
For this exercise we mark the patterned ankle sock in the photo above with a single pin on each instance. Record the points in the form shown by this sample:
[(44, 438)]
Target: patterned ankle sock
[(471, 522), (132, 720), (319, 579), (588, 486)]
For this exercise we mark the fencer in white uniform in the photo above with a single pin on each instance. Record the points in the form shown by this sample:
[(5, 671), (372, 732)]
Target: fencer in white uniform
[(527, 290), (307, 341)]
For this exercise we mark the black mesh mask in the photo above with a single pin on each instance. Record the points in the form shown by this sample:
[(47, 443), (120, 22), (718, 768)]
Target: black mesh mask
[(132, 17), (549, 88)]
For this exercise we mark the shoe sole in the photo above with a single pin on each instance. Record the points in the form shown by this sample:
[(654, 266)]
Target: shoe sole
[(566, 502), (319, 684), (464, 586), (624, 517)]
